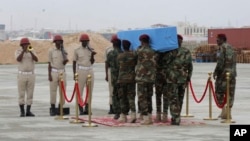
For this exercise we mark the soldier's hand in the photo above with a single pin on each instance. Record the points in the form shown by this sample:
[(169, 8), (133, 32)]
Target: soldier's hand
[(188, 79), (50, 78), (106, 78), (214, 76), (92, 60), (65, 62)]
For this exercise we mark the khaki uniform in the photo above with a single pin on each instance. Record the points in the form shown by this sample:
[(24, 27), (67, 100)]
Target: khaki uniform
[(57, 67), (84, 67), (25, 77), (109, 76)]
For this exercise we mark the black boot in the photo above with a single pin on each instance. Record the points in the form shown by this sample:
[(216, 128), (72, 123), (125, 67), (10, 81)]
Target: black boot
[(86, 109), (22, 112), (117, 116), (53, 110), (80, 109), (28, 112), (111, 110)]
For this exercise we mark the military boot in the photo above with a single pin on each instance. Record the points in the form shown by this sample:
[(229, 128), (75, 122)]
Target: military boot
[(158, 117), (146, 120), (223, 112), (132, 117), (80, 110), (224, 116), (53, 110), (22, 112), (28, 112), (111, 110), (164, 117), (123, 118), (117, 116), (86, 109)]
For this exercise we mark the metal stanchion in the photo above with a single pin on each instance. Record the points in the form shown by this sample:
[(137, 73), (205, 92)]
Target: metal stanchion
[(89, 124), (76, 105), (228, 120), (210, 101), (187, 102), (61, 117)]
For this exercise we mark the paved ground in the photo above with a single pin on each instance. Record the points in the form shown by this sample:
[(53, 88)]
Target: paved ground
[(43, 127)]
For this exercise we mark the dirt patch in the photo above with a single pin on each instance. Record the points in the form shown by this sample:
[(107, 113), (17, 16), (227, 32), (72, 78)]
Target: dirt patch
[(97, 41)]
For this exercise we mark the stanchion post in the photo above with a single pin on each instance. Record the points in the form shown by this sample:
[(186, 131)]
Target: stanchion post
[(228, 120), (61, 117), (210, 100), (187, 102), (89, 124), (76, 105)]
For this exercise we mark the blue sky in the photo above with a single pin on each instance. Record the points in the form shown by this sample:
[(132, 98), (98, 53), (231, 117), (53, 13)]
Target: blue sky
[(122, 14)]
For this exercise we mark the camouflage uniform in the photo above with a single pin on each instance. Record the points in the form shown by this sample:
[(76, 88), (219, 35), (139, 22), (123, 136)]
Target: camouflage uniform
[(159, 84), (178, 67), (145, 77), (126, 80), (226, 62), (113, 64)]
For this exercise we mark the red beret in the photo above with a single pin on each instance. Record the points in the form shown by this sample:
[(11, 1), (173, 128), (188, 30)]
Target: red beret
[(114, 37), (144, 37), (126, 43), (179, 37), (221, 36)]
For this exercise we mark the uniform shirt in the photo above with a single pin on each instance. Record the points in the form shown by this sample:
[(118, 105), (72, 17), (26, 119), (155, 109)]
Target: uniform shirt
[(108, 49), (56, 58), (146, 65), (178, 65), (160, 73), (27, 64), (113, 64), (126, 61), (82, 56), (226, 61)]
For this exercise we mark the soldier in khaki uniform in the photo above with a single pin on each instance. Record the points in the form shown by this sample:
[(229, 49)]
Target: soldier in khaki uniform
[(56, 66), (83, 60), (26, 58)]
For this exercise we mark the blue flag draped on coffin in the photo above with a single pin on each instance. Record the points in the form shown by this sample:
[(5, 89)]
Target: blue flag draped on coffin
[(161, 39)]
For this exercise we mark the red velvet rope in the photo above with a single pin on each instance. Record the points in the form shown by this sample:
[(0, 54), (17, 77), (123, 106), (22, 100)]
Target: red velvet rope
[(64, 93), (80, 102), (196, 100), (215, 98)]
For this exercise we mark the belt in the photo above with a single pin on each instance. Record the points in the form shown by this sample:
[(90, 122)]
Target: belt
[(57, 70), (26, 73), (85, 68)]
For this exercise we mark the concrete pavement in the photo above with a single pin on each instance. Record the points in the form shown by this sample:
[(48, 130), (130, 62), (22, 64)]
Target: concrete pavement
[(43, 127)]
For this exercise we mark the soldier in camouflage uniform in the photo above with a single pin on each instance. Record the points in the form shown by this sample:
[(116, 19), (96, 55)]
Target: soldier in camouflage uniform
[(145, 78), (159, 83), (178, 67), (226, 62), (126, 79), (112, 63)]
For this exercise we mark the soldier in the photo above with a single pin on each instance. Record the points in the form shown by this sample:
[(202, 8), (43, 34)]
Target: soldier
[(26, 58), (178, 69), (145, 78), (126, 79), (56, 66), (112, 63), (83, 61), (159, 84), (108, 79), (226, 63)]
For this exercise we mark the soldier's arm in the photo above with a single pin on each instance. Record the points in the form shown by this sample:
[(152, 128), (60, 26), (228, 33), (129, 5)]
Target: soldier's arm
[(34, 57), (20, 56)]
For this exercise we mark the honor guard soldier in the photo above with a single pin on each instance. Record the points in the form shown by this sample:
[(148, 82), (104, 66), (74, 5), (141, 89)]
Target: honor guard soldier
[(58, 58), (83, 61), (26, 58)]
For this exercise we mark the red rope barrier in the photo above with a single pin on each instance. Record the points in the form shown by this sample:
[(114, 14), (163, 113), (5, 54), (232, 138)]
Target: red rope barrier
[(196, 100), (215, 98), (80, 102), (64, 93)]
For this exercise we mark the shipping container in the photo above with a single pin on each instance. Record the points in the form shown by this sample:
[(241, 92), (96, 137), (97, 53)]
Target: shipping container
[(237, 37)]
